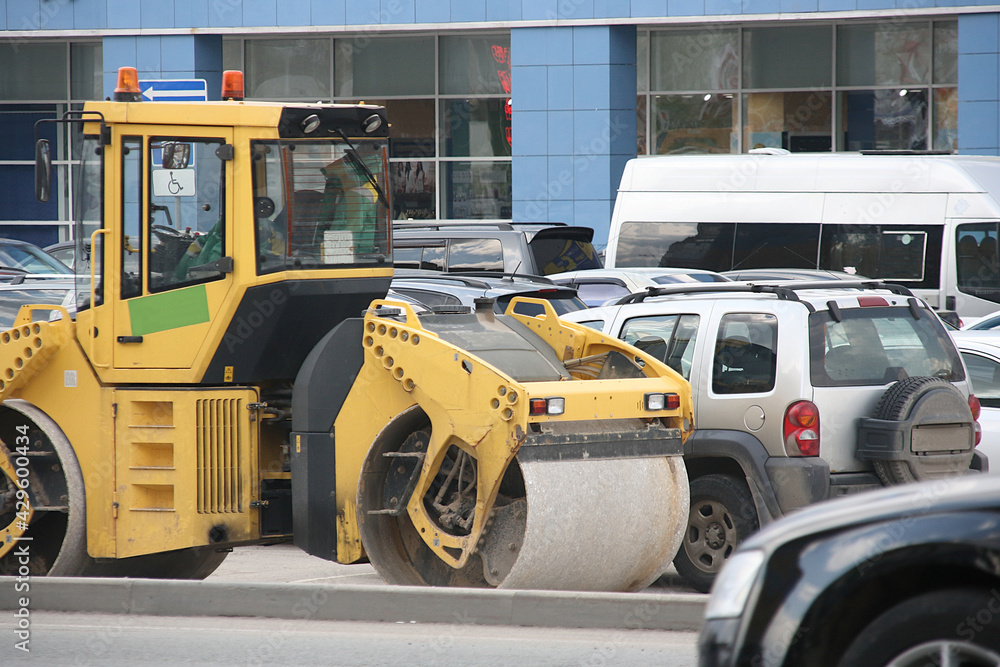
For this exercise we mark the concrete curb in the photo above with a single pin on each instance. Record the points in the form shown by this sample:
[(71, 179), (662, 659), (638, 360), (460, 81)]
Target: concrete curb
[(400, 604)]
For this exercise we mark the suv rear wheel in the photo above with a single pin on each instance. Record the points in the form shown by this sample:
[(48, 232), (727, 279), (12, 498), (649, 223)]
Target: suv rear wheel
[(722, 515)]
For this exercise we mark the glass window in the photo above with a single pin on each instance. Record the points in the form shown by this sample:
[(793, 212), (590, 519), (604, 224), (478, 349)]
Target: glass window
[(875, 346), (132, 197), (595, 294), (946, 52), (767, 62), (689, 60), (232, 54), (946, 119), (910, 253), (476, 190), (642, 62), (33, 70), (86, 69), (706, 245), (669, 338), (641, 147), (315, 206), (796, 120), (984, 374), (187, 217), (763, 246), (745, 354), (475, 127), (475, 65), (891, 119), (702, 123), (289, 69), (976, 260), (88, 216), (362, 65), (413, 187), (475, 255), (884, 54)]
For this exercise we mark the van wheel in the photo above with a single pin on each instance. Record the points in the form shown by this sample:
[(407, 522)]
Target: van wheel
[(911, 398), (722, 515)]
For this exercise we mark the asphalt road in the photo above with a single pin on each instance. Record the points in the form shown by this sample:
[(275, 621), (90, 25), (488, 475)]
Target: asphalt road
[(81, 639)]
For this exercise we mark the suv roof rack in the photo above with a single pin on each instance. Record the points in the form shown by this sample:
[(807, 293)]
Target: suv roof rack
[(785, 291)]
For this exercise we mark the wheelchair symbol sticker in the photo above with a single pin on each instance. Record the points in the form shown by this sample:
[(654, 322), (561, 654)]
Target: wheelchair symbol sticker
[(173, 183)]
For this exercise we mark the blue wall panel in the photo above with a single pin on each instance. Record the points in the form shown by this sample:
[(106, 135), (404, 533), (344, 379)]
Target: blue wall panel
[(155, 13), (979, 33), (329, 12), (89, 14), (257, 13), (982, 69), (124, 14), (362, 12), (978, 128), (531, 93), (642, 8), (560, 87), (539, 10), (188, 13), (464, 11), (560, 132), (295, 12), (432, 11), (606, 9)]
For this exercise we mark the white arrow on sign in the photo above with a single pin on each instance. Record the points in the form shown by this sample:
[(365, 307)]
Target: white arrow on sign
[(174, 90)]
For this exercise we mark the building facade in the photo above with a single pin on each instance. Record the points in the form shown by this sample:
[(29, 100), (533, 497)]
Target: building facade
[(521, 109)]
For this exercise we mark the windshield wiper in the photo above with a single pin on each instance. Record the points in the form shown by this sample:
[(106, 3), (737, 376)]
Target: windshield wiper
[(352, 154)]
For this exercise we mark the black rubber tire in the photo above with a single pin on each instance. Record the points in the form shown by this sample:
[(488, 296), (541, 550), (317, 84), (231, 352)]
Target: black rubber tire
[(392, 544), (915, 631), (722, 515), (896, 404)]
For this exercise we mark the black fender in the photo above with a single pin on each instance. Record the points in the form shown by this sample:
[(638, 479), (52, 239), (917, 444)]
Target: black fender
[(803, 479), (321, 387), (855, 575)]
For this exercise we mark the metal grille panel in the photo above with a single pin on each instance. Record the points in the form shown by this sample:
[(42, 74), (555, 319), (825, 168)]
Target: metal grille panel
[(219, 456)]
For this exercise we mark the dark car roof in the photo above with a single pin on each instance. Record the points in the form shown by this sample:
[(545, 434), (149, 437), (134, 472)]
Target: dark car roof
[(467, 287)]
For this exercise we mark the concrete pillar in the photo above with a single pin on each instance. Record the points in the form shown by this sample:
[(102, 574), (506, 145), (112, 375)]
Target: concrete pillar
[(573, 122), (165, 57)]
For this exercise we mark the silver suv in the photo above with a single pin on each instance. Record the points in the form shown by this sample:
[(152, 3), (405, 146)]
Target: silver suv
[(802, 392)]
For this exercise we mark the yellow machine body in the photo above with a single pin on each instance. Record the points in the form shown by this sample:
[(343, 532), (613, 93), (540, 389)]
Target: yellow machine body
[(217, 387)]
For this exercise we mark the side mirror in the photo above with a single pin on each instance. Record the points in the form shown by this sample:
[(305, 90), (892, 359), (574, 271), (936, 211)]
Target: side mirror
[(43, 170), (176, 155)]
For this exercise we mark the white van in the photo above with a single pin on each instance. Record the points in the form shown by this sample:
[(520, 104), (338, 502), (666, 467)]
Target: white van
[(929, 222)]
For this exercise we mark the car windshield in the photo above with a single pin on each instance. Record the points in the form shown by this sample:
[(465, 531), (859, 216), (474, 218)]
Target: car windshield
[(879, 345)]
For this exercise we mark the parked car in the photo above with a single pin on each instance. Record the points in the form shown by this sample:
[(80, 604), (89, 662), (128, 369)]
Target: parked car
[(803, 392), (781, 275), (498, 246), (907, 577), (65, 252), (23, 259), (980, 351), (52, 291), (597, 286), (985, 323), (436, 291)]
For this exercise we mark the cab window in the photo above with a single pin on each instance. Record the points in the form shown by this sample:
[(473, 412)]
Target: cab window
[(186, 234)]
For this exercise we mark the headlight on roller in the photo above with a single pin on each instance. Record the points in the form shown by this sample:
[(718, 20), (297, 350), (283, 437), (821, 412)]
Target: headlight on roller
[(732, 586)]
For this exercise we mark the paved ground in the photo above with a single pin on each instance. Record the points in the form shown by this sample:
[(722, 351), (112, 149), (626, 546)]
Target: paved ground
[(286, 563)]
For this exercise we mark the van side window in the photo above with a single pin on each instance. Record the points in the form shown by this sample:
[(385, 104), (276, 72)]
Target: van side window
[(745, 354), (669, 338)]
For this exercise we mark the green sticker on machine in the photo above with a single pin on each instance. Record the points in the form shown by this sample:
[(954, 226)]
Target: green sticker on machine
[(170, 310)]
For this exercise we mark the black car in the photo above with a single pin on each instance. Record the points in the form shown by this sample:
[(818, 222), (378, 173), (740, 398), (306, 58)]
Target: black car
[(435, 290), (906, 576)]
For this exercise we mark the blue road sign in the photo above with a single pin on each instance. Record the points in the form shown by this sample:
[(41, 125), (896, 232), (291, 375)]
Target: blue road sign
[(174, 90)]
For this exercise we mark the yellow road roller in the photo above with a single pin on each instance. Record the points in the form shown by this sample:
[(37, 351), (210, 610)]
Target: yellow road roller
[(227, 371)]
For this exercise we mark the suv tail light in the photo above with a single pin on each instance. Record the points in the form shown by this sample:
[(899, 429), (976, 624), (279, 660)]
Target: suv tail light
[(977, 409), (801, 429)]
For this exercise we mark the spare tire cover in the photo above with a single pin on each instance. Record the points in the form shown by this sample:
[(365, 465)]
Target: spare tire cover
[(941, 451)]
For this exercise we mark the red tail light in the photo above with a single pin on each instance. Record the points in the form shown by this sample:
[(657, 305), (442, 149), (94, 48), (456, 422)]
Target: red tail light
[(801, 429), (977, 410)]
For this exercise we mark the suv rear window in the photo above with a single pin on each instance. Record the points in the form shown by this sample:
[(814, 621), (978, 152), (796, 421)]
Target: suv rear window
[(876, 346)]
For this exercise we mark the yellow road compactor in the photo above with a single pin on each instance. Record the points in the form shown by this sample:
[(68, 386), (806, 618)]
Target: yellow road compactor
[(229, 372)]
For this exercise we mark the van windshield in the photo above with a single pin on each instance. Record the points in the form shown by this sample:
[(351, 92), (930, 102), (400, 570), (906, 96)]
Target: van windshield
[(879, 345)]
